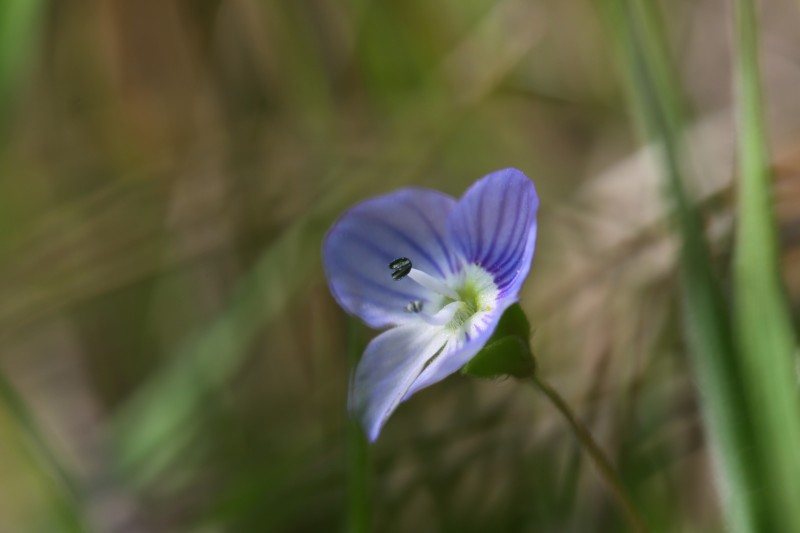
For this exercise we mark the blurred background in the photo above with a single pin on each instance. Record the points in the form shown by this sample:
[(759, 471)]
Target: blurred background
[(171, 358)]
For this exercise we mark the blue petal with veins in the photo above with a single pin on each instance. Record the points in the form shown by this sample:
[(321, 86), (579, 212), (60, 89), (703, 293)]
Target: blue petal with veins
[(469, 259)]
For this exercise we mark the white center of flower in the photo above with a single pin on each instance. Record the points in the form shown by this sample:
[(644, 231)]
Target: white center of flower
[(454, 301)]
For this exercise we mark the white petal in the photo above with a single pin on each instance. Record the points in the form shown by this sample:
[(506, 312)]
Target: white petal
[(391, 364), (461, 348)]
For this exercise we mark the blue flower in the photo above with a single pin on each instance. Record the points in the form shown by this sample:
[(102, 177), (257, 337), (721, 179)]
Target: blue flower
[(438, 273)]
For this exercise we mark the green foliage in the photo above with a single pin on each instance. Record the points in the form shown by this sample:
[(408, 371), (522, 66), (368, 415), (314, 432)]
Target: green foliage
[(19, 32), (507, 353)]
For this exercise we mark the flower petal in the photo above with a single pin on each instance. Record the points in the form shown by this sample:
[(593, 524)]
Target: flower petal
[(461, 348), (494, 226), (390, 365), (357, 250)]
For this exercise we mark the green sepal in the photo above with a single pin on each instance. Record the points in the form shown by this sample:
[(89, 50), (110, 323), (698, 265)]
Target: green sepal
[(507, 353)]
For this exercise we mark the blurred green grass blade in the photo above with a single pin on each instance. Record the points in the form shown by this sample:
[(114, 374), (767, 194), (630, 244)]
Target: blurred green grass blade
[(764, 327), (152, 428), (160, 420), (655, 91), (149, 432), (67, 505), (358, 501), (18, 34)]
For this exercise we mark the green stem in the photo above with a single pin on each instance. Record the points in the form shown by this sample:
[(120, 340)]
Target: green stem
[(358, 503), (604, 466)]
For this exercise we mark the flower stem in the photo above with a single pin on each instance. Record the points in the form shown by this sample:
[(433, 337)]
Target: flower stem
[(604, 467), (358, 504)]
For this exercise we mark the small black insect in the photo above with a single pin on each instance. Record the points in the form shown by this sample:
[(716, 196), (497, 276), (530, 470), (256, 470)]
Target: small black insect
[(414, 306), (400, 268)]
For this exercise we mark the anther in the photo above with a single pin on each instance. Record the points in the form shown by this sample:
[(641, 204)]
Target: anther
[(400, 268), (414, 306)]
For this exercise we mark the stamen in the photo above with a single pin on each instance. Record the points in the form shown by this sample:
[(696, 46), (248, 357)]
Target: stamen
[(433, 284), (444, 316), (414, 306), (400, 268)]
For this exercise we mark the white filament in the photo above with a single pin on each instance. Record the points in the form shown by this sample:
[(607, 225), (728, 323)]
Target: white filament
[(432, 284)]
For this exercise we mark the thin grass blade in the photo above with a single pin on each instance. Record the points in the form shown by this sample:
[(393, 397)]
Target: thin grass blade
[(763, 324)]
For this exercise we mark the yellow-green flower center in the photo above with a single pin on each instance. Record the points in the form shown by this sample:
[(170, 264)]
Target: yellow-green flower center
[(477, 293), (455, 299)]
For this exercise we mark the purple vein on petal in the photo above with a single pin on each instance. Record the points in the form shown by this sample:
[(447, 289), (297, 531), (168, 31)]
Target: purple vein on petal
[(376, 286), (436, 235), (486, 257), (510, 263), (468, 235), (507, 274), (479, 221), (367, 244), (505, 280), (421, 252), (515, 233), (370, 245)]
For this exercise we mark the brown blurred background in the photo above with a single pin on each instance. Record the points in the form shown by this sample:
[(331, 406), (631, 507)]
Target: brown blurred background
[(172, 358)]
